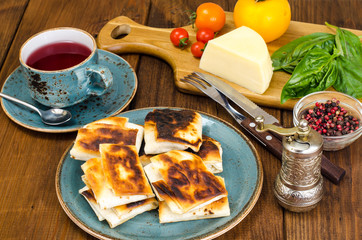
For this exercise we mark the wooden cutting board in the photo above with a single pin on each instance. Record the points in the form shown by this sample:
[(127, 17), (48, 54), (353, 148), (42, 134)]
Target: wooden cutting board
[(122, 35)]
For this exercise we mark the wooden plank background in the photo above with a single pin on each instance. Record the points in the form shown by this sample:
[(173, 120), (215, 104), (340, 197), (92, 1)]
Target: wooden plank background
[(29, 208)]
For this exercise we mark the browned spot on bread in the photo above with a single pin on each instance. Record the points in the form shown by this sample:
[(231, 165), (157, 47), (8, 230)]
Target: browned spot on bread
[(91, 138), (123, 170), (163, 190), (89, 195), (170, 124), (207, 147), (188, 181), (135, 204), (94, 174)]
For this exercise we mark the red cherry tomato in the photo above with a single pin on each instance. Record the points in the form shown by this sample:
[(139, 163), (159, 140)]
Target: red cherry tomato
[(204, 35), (197, 49), (179, 37)]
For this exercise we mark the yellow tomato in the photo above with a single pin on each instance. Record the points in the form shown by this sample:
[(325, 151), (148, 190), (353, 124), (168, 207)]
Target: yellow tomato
[(269, 18)]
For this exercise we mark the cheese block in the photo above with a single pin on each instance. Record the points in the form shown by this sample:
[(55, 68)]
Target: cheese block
[(240, 56)]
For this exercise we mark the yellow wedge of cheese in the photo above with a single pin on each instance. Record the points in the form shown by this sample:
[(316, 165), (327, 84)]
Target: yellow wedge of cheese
[(240, 56)]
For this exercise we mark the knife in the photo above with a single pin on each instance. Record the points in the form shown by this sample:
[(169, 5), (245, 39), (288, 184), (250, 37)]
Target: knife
[(243, 102), (331, 171)]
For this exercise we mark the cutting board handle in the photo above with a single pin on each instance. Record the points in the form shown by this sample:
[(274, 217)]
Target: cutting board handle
[(123, 35)]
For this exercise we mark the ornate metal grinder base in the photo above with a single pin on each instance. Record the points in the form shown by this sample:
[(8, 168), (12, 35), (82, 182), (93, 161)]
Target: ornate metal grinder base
[(299, 185)]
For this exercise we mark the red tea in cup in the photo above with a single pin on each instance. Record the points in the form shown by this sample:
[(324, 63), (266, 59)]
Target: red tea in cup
[(61, 67), (58, 56)]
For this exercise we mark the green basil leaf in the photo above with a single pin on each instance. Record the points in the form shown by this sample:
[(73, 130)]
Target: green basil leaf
[(348, 43), (288, 56), (349, 63), (350, 77), (316, 71)]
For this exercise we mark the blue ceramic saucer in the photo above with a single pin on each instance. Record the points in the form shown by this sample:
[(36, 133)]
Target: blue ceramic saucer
[(243, 174), (112, 102)]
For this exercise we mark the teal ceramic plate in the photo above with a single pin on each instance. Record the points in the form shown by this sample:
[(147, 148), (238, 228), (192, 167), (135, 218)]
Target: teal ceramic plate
[(243, 176), (112, 102)]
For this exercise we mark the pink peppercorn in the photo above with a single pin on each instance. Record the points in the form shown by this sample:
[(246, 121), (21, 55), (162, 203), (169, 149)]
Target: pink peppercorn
[(331, 119)]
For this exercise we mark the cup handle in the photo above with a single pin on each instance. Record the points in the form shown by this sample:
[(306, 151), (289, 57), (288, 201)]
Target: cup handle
[(101, 79)]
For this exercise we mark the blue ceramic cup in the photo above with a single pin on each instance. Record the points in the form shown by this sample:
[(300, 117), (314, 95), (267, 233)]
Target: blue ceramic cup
[(79, 76)]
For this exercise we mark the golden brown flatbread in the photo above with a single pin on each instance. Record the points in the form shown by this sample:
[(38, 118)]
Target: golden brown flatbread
[(219, 208), (117, 178), (167, 129), (120, 214), (186, 183), (128, 211), (123, 170), (94, 178), (118, 121), (87, 193), (211, 154), (116, 130), (145, 159)]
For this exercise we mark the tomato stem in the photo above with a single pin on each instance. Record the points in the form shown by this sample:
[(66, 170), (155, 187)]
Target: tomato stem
[(256, 1), (183, 42), (192, 18), (203, 49)]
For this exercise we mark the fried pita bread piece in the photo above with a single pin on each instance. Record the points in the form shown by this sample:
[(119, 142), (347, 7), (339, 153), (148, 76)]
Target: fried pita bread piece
[(128, 211), (145, 159), (120, 214), (116, 130), (219, 208), (123, 170), (87, 193), (153, 175), (117, 178), (95, 179), (186, 183), (211, 153), (119, 121), (167, 129)]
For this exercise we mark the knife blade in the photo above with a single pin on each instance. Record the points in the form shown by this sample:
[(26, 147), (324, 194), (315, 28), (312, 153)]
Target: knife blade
[(272, 141), (243, 102)]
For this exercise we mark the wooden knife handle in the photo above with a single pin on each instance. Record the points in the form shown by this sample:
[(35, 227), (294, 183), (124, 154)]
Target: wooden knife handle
[(274, 144), (271, 142), (332, 171)]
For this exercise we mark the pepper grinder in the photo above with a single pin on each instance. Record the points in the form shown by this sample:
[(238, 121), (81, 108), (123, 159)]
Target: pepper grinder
[(298, 186)]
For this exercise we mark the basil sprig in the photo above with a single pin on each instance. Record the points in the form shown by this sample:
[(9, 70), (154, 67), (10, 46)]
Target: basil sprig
[(319, 61), (316, 71), (349, 63), (288, 56)]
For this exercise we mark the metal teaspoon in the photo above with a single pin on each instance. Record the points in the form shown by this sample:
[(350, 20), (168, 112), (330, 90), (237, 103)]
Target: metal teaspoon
[(53, 116)]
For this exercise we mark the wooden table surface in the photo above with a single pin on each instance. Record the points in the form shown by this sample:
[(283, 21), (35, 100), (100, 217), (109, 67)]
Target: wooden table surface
[(29, 208)]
